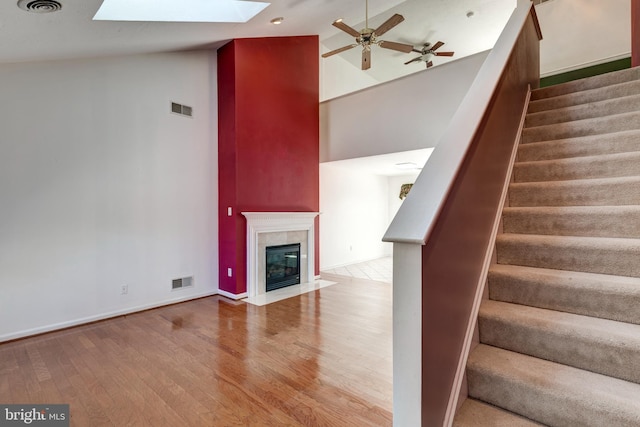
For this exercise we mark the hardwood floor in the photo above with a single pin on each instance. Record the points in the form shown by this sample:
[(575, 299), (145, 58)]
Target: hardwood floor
[(320, 359)]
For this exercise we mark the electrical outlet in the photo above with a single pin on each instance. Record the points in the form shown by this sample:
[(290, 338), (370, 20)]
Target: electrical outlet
[(124, 289), (229, 272)]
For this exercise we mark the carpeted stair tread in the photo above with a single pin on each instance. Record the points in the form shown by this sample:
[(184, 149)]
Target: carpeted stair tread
[(587, 221), (603, 346), (607, 107), (582, 146), (576, 128), (588, 83), (603, 166), (588, 254), (560, 333), (598, 295), (549, 392), (474, 413), (585, 97), (579, 192)]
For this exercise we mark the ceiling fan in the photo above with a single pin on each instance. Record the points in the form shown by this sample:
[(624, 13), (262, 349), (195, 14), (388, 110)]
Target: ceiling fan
[(427, 52), (368, 37)]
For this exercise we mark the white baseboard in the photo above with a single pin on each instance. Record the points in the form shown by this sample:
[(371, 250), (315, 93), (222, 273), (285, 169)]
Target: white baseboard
[(98, 317), (324, 268), (234, 297)]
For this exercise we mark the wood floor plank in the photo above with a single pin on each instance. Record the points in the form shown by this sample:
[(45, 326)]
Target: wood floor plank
[(318, 359)]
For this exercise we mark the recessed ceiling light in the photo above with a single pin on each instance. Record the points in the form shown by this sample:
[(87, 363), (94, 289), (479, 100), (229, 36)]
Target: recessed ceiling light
[(179, 10), (277, 21)]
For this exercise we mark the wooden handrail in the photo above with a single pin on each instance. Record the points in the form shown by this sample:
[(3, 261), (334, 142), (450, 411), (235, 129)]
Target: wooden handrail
[(450, 214)]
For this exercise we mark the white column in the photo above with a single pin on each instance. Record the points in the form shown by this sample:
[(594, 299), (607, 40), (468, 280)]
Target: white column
[(407, 334)]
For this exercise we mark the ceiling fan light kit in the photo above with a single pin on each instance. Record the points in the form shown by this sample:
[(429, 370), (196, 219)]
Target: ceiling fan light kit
[(368, 37)]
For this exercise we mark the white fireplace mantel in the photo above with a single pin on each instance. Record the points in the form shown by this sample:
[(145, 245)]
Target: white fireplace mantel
[(274, 222)]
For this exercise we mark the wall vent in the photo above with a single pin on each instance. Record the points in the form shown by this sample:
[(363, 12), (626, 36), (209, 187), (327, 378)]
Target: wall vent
[(183, 110), (183, 282)]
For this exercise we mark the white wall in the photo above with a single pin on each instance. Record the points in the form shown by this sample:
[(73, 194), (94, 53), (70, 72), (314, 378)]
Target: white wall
[(402, 115), (354, 210), (357, 207), (338, 76), (580, 33), (102, 186)]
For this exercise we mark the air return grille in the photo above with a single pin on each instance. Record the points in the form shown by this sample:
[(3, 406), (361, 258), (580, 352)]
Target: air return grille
[(184, 110), (183, 282), (39, 6)]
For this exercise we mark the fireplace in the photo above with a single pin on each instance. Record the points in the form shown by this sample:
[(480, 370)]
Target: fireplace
[(265, 229), (282, 266)]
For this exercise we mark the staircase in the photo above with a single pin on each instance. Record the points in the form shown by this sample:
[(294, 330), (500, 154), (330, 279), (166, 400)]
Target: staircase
[(560, 332)]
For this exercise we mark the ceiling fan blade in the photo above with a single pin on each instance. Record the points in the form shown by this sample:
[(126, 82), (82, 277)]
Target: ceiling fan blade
[(437, 46), (429, 64), (344, 27), (400, 47), (416, 59), (342, 49), (388, 24), (366, 59), (443, 53)]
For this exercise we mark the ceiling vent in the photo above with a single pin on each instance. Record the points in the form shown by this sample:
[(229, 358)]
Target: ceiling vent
[(39, 6)]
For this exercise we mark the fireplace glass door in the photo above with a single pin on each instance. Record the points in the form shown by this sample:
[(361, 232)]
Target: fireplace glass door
[(283, 266)]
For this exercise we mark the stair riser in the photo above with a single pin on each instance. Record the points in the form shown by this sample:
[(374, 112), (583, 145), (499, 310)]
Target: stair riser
[(586, 296), (559, 343), (610, 166), (587, 84), (534, 402), (608, 107), (594, 95), (610, 192), (595, 126), (620, 258), (622, 142), (601, 222), (474, 413)]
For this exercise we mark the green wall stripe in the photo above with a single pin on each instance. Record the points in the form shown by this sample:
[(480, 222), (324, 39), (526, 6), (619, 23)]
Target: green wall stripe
[(594, 70)]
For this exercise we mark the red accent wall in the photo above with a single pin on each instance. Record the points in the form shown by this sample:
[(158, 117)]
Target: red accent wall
[(268, 139), (635, 33)]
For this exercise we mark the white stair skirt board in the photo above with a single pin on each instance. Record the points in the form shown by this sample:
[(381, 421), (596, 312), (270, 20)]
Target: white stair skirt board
[(288, 292)]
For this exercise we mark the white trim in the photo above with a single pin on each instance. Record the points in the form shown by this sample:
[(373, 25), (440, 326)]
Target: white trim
[(234, 297), (407, 335), (585, 65), (471, 324), (274, 222), (96, 318)]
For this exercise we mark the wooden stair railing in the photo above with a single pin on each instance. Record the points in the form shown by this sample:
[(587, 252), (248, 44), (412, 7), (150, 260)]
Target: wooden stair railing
[(444, 231)]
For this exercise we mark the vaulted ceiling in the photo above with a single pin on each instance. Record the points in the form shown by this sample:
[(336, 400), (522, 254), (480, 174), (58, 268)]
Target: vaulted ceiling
[(597, 27)]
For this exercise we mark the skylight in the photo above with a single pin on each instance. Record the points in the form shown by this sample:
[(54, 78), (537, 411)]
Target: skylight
[(179, 10)]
